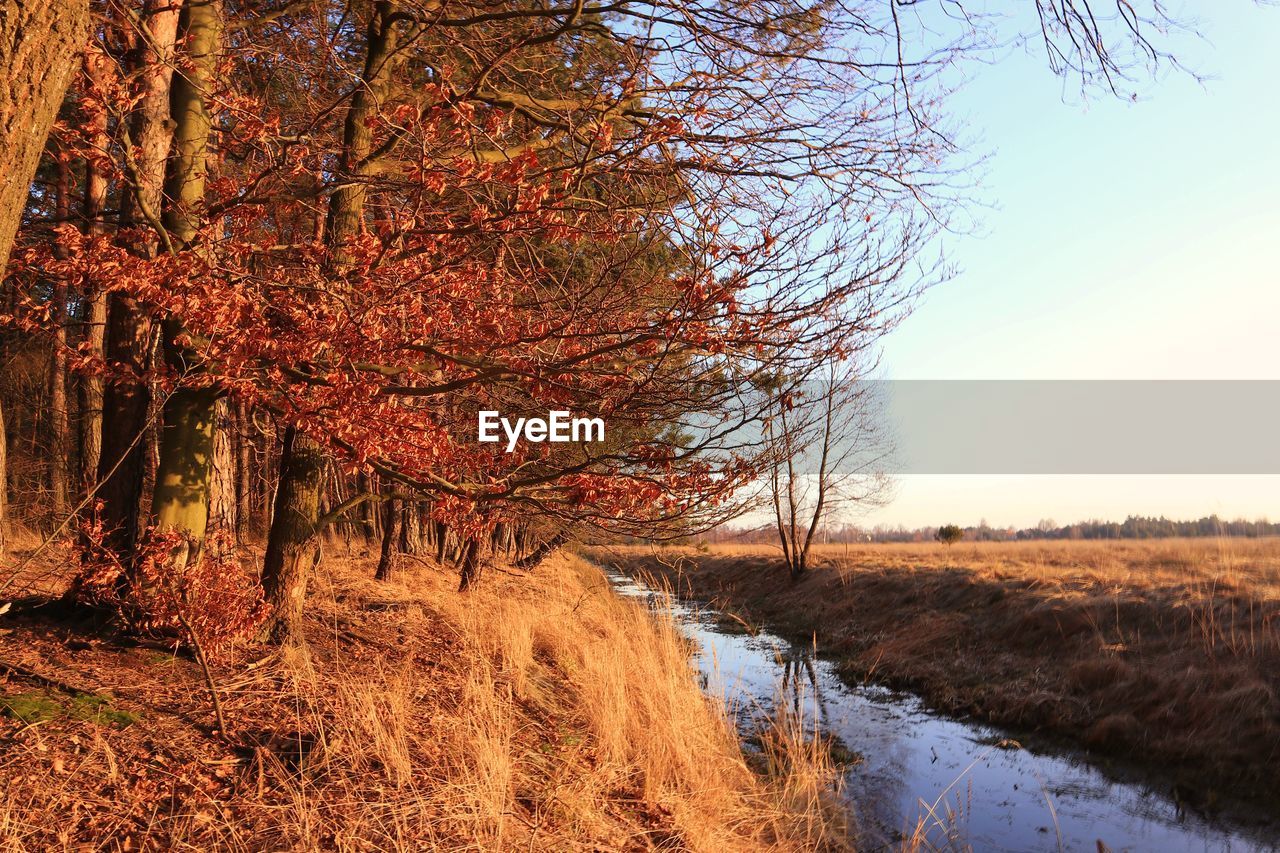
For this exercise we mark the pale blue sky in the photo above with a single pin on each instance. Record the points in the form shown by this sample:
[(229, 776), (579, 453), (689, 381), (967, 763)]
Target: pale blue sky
[(1127, 240)]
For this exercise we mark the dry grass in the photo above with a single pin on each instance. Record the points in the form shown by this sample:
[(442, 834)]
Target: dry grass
[(538, 713), (1167, 652)]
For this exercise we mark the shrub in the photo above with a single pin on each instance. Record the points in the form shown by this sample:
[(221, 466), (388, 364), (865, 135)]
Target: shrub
[(207, 602), (949, 534)]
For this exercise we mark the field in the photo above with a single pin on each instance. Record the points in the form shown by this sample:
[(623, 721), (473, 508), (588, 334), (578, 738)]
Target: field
[(1165, 653), (535, 712)]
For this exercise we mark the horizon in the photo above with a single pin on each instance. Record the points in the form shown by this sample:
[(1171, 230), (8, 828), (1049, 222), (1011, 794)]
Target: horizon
[(1047, 525)]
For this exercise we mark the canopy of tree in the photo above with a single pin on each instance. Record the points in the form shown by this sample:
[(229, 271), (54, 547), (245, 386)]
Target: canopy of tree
[(284, 251)]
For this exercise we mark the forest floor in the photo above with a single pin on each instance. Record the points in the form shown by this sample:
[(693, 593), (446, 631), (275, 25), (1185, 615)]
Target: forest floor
[(537, 712), (1165, 653)]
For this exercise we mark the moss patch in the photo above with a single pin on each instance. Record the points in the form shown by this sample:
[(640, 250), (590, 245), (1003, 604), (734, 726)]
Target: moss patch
[(38, 706)]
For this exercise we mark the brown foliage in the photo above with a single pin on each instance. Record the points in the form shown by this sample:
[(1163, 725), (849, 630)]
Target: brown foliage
[(200, 595)]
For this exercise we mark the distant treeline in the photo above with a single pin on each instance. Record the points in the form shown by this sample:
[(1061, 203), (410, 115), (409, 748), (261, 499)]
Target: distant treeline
[(1133, 527)]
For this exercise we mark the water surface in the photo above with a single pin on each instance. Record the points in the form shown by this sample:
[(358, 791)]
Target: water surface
[(968, 782)]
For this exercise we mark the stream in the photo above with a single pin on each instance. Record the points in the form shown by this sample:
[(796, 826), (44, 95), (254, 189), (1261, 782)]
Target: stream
[(972, 788)]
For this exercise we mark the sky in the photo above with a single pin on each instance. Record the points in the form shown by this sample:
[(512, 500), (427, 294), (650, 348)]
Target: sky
[(1123, 240)]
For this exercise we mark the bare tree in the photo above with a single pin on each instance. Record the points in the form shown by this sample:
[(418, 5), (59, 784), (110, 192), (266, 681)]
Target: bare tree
[(827, 452)]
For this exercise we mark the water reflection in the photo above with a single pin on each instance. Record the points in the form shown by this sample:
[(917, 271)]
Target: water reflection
[(796, 662), (965, 782)]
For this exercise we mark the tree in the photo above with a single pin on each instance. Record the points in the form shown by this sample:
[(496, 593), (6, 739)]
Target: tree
[(827, 455), (386, 557), (290, 550), (641, 213), (522, 210), (145, 136), (302, 469), (467, 160), (949, 534), (96, 82), (183, 476), (37, 44)]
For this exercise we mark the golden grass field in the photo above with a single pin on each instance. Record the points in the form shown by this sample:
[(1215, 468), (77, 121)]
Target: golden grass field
[(1166, 652), (533, 713), (542, 712)]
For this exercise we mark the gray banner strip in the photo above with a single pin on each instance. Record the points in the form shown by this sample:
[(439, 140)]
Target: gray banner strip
[(1081, 426)]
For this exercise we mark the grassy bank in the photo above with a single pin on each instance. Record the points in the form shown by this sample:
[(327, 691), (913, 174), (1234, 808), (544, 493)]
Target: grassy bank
[(1165, 652), (535, 713)]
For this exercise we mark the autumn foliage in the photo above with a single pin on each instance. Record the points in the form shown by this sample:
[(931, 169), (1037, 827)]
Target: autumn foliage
[(349, 227), (523, 242), (201, 597)]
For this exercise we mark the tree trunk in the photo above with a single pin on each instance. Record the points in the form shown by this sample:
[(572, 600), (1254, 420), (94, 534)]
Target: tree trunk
[(363, 485), (91, 393), (38, 45), (151, 131), (126, 401), (125, 404), (387, 556), (244, 472), (59, 416), (183, 475), (442, 541), (411, 528), (345, 221), (535, 557), (183, 488), (4, 483), (222, 483), (346, 206), (200, 27), (95, 312), (39, 42), (470, 572), (155, 418), (291, 545), (334, 496)]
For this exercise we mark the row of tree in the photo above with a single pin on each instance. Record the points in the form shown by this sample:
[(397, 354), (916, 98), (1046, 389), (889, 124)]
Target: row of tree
[(1148, 527), (276, 255), (1133, 527)]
